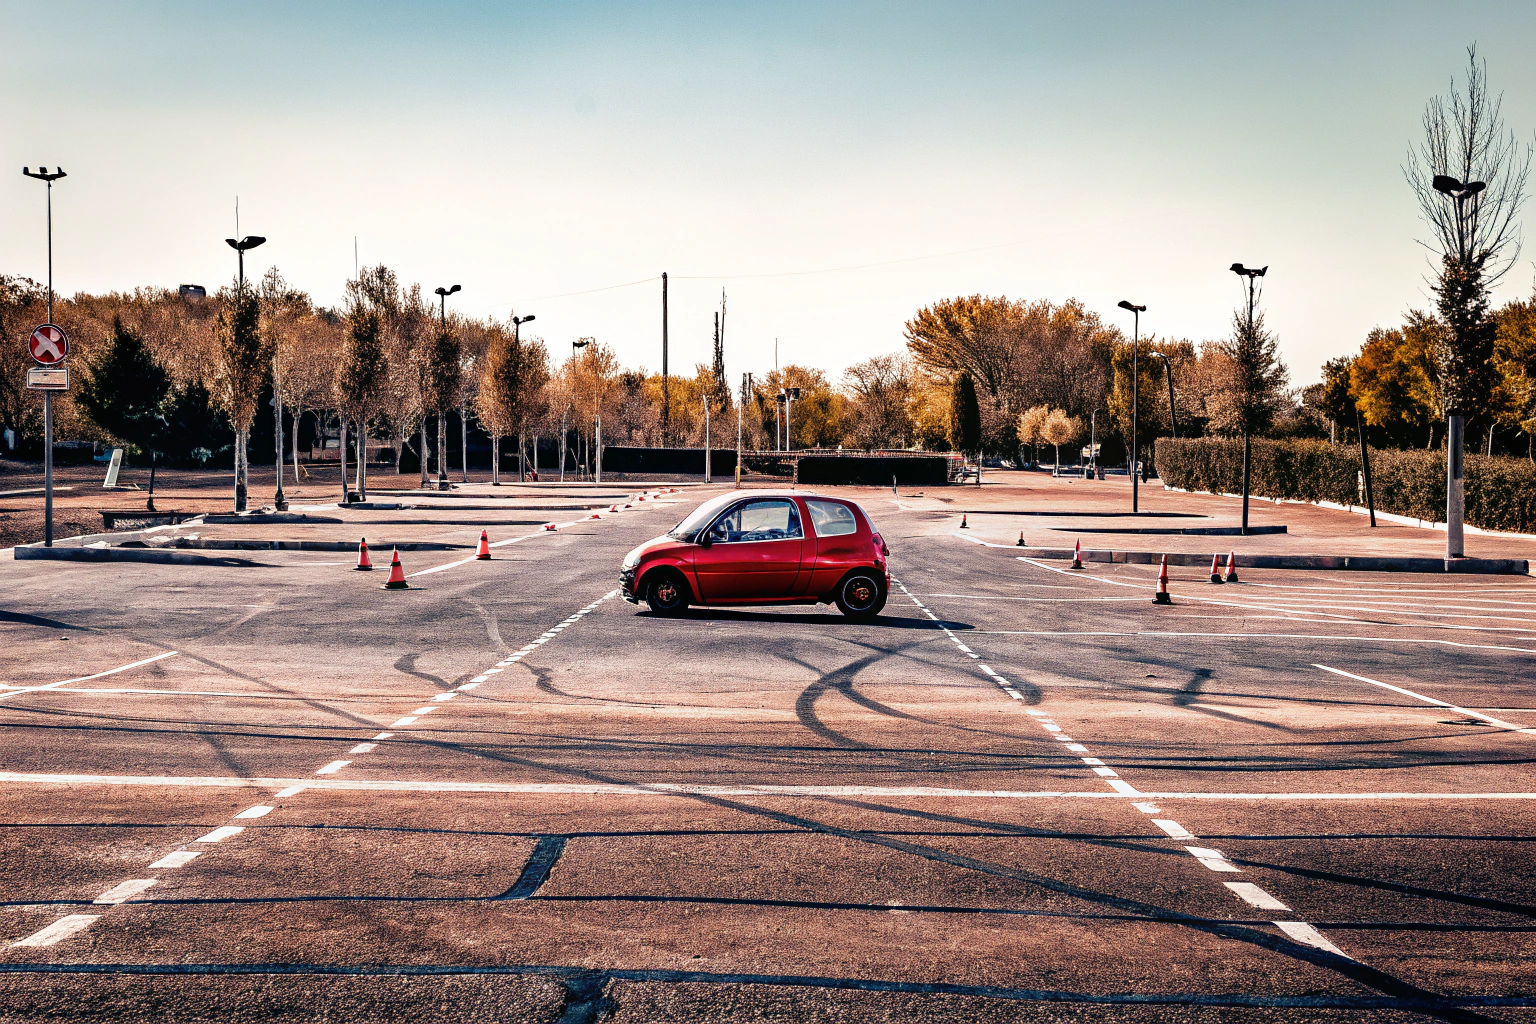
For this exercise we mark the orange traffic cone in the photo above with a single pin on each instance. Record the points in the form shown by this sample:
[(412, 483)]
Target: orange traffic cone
[(1161, 597), (484, 554), (364, 564), (1215, 568), (1077, 554), (396, 579), (549, 526), (1021, 539), (963, 525), (1231, 567), (594, 515), (613, 508)]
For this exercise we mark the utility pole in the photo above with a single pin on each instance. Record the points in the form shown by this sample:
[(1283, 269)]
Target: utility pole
[(1136, 311), (43, 174), (746, 389), (666, 386), (706, 438)]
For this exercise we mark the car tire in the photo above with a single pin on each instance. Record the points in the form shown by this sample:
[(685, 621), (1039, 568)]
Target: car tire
[(666, 593), (860, 596)]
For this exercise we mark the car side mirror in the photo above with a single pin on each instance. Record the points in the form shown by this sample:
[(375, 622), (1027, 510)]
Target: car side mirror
[(705, 541)]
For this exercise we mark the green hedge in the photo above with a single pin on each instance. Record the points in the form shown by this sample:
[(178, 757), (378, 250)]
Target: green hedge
[(1501, 492)]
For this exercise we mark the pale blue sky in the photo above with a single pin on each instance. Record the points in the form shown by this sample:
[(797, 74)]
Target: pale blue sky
[(1101, 150)]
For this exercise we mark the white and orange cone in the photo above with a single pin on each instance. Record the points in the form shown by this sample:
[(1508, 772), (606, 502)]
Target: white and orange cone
[(1231, 567), (1161, 596), (396, 579), (1021, 539), (484, 554), (364, 564), (1215, 568), (549, 526), (1077, 554), (963, 525)]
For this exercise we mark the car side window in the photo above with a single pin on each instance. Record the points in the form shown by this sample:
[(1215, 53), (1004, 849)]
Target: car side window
[(757, 520), (832, 519)]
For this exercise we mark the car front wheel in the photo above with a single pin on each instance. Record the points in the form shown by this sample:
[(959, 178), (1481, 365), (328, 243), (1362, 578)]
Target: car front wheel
[(666, 593), (860, 597)]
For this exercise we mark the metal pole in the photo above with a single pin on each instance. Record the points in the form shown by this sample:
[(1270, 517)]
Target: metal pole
[(706, 440), (1093, 443), (666, 389), (1455, 498), (1135, 401), (1247, 434), (442, 421), (48, 401)]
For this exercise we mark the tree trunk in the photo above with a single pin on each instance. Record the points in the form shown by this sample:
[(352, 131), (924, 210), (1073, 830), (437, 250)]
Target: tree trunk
[(362, 461), (599, 452), (521, 458), (535, 456), (423, 453), (464, 442), (241, 481), (277, 427), (562, 452), (442, 450), (298, 414), (342, 448), (399, 448)]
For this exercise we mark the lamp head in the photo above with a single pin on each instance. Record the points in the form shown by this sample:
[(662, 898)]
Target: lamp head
[(523, 319), (1248, 272), (578, 344), (1447, 184), (1473, 188), (41, 174), (248, 242), (1127, 304), (1159, 355)]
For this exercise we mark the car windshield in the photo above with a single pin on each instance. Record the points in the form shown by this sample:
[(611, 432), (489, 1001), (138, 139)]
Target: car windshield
[(689, 528), (758, 520)]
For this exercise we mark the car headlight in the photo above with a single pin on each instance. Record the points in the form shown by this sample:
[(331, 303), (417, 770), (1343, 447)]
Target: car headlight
[(632, 559)]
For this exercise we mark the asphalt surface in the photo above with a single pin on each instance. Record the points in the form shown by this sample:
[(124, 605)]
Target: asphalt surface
[(1024, 793)]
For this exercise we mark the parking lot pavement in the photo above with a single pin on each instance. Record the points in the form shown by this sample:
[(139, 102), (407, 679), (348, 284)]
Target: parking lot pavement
[(1021, 791)]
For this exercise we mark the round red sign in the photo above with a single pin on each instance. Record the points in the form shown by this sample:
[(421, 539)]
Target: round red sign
[(49, 344)]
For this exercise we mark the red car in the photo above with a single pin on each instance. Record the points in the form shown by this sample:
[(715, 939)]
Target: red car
[(756, 547)]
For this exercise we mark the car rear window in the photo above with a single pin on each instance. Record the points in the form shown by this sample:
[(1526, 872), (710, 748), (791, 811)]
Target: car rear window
[(832, 518)]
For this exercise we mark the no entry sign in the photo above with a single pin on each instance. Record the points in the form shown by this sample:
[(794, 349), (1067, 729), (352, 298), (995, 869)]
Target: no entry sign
[(49, 344)]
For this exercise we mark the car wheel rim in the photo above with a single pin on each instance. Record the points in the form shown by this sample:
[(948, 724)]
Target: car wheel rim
[(860, 594), (666, 593)]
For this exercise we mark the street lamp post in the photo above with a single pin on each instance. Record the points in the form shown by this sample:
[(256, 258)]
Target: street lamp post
[(578, 343), (1136, 312), (49, 177), (1251, 279), (1173, 415), (240, 246), (1455, 421), (442, 421), (517, 342)]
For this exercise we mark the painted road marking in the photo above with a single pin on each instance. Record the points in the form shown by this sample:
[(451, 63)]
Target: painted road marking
[(363, 748), (283, 794), (1213, 859), (1173, 828), (1255, 896), (1309, 936), (221, 833), (332, 768), (1176, 634), (125, 891), (383, 735), (254, 812), (424, 711), (401, 723), (668, 789), (63, 928), (470, 686), (1431, 700), (176, 860), (445, 696), (82, 679)]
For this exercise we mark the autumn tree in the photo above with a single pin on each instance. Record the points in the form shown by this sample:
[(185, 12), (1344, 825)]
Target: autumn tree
[(244, 362), (1059, 429), (439, 382), (359, 379)]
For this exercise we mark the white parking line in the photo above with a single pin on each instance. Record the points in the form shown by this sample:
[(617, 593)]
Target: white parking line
[(1430, 700), (1256, 896), (81, 679), (220, 834), (1309, 936), (122, 892), (176, 860), (63, 928)]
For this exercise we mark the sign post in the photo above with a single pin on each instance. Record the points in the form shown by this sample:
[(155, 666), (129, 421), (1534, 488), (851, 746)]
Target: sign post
[(48, 345)]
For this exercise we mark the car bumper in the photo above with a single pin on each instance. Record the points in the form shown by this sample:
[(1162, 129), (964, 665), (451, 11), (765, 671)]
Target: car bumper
[(627, 586)]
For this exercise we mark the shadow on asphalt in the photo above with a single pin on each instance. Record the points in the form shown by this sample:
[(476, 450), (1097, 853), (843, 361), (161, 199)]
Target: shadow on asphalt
[(812, 619)]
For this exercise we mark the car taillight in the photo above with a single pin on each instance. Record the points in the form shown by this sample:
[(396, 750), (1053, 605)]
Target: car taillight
[(880, 543)]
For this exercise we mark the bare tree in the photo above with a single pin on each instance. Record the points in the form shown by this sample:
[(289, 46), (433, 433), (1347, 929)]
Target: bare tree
[(243, 364), (359, 379), (881, 389), (439, 379)]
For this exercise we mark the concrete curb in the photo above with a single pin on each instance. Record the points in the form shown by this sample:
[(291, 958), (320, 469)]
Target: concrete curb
[(77, 554), (1344, 563), (233, 544)]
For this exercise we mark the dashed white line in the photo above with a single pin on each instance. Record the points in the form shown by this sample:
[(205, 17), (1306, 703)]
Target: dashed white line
[(332, 768), (220, 834), (1309, 936), (122, 892), (176, 860), (63, 928), (255, 812), (1256, 896)]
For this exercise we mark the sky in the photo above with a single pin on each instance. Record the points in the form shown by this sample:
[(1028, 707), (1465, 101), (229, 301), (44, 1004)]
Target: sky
[(833, 167)]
